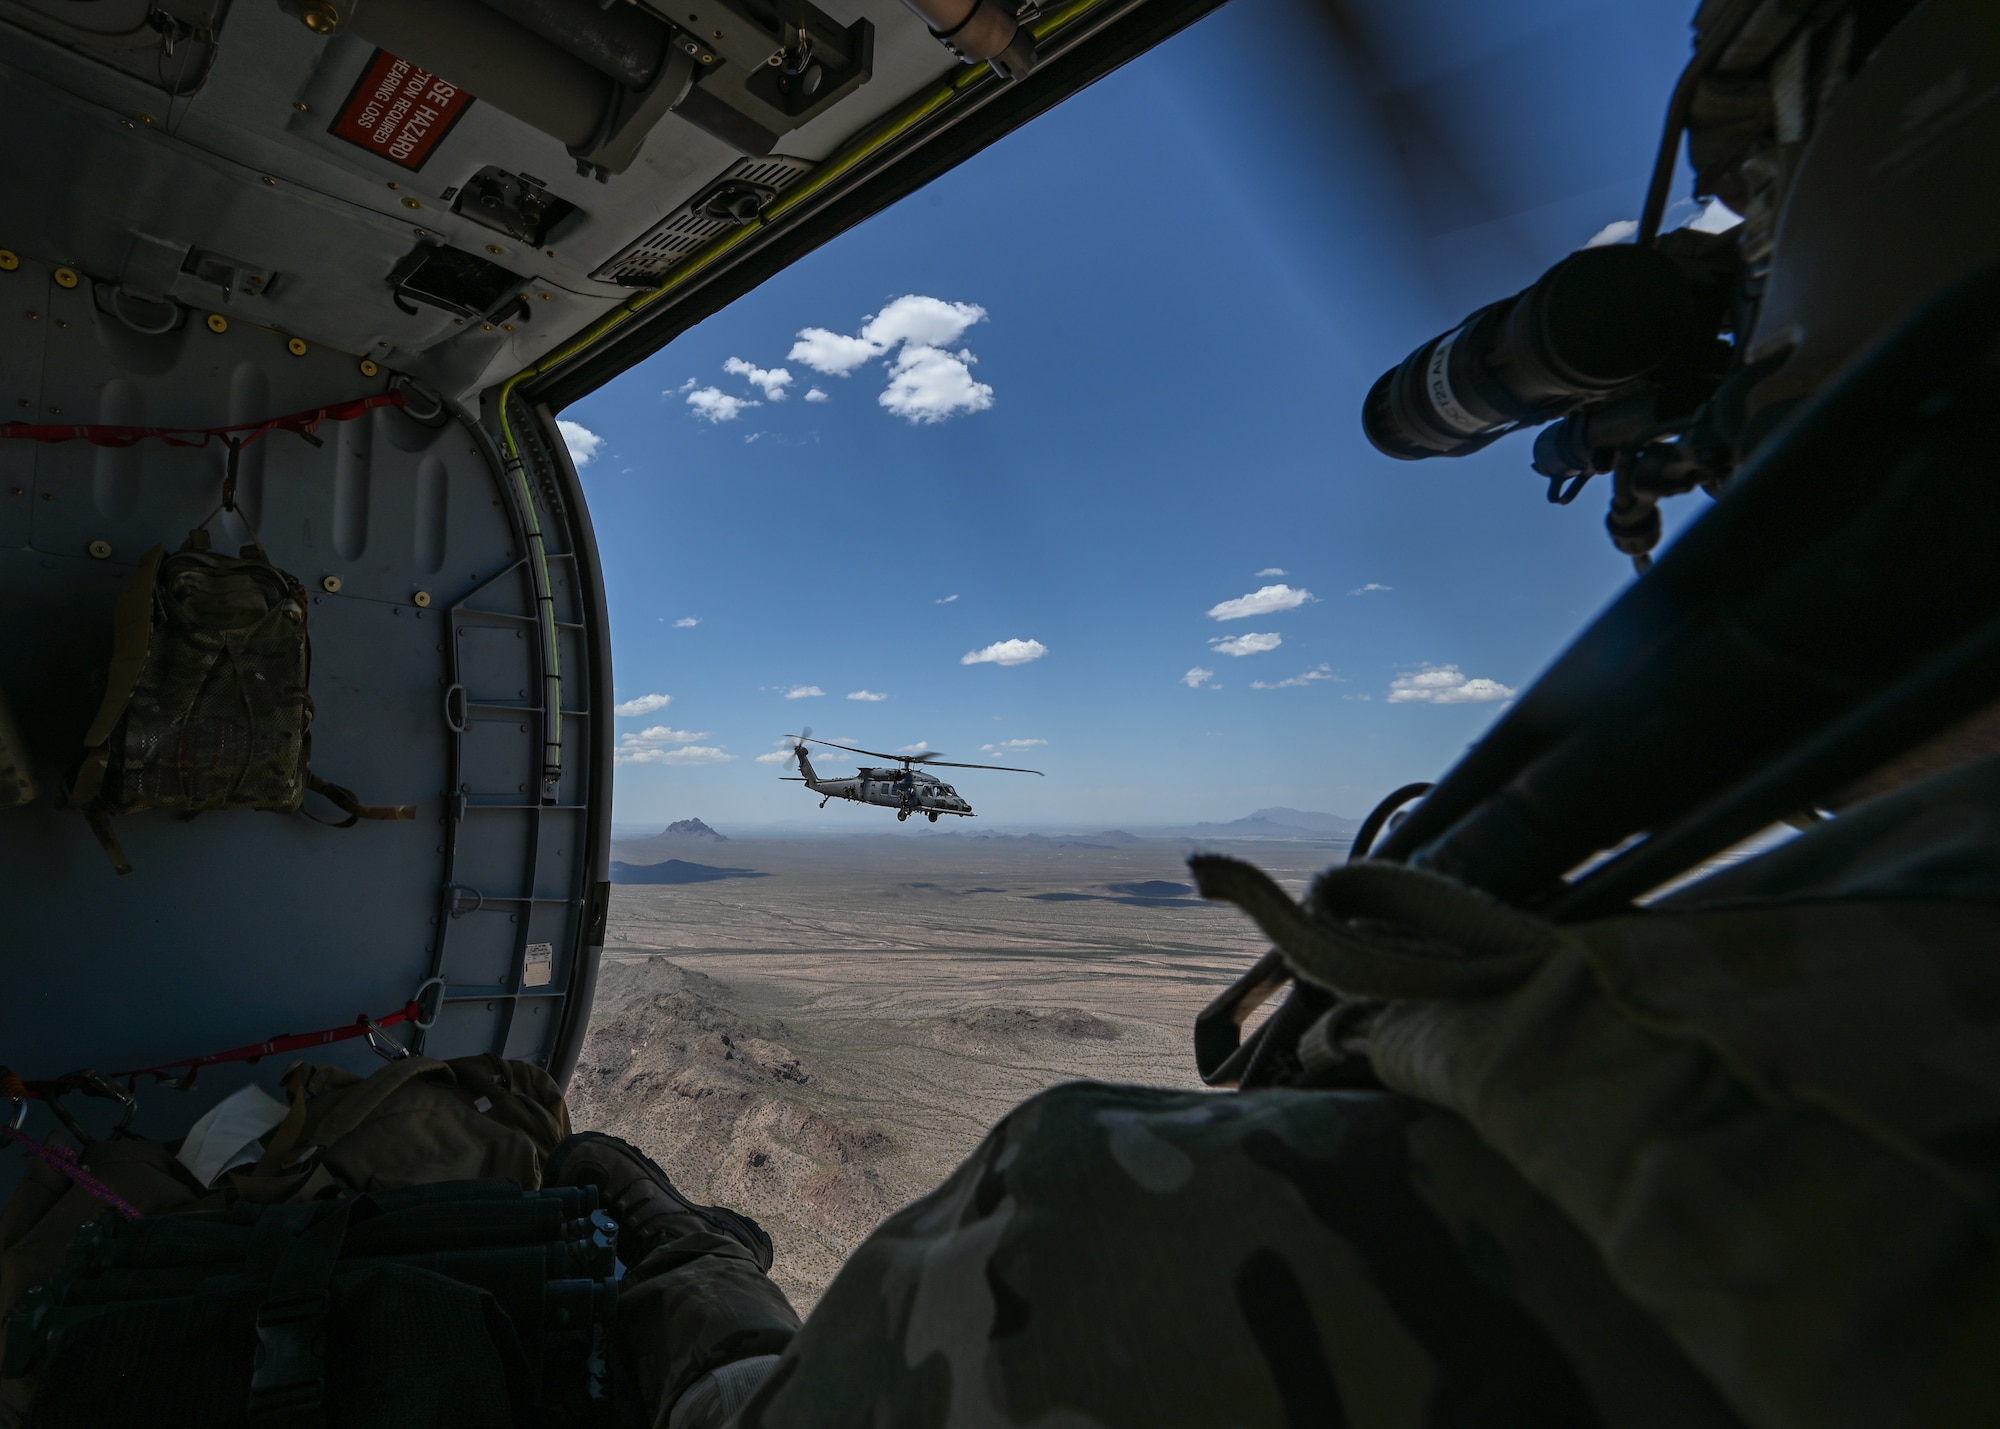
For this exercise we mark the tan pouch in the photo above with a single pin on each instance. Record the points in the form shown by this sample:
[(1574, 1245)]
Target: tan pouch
[(414, 1121)]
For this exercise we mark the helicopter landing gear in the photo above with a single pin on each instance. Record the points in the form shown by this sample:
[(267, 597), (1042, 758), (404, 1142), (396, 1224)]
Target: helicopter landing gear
[(933, 814), (902, 814)]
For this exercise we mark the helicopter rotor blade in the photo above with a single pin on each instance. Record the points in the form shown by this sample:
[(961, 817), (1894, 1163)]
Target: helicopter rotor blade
[(1003, 768), (871, 753)]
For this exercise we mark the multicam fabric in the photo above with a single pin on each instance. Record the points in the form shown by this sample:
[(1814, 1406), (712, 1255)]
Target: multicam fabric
[(1118, 1256), (217, 715)]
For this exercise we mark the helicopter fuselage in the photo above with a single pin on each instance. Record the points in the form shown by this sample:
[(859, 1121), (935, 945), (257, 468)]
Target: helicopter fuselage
[(906, 791)]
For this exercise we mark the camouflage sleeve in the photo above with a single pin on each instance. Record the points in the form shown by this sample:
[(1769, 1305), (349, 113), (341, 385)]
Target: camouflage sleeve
[(1118, 1256)]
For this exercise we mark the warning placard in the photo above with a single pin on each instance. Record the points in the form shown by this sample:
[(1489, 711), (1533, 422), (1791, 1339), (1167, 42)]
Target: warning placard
[(400, 111)]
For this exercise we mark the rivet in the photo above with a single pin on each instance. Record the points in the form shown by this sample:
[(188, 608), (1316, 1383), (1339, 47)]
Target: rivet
[(321, 18), (100, 549), (486, 327), (368, 367), (145, 118), (422, 599), (66, 278), (506, 327), (331, 585), (394, 185), (495, 249), (421, 232), (128, 124), (56, 410), (218, 323), (548, 297), (8, 261), (297, 347), (271, 181), (411, 203), (718, 34), (300, 105)]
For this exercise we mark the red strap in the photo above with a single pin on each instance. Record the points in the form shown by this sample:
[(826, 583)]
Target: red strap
[(106, 435), (291, 1042)]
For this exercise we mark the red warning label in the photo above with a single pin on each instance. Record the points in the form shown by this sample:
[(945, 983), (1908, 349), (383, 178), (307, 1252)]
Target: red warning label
[(399, 111)]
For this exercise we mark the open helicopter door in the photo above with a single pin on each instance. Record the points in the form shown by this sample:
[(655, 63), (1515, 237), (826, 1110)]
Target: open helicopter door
[(459, 663), (377, 244)]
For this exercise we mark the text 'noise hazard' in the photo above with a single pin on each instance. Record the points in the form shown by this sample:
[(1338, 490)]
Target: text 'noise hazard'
[(400, 111)]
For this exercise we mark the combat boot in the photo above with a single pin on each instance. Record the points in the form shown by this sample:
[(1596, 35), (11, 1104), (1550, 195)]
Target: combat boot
[(642, 1199)]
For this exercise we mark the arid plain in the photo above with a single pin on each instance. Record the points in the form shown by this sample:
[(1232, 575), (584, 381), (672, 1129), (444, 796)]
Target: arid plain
[(820, 1035)]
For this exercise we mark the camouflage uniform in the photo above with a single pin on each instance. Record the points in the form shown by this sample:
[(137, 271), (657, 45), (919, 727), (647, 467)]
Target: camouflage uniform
[(1120, 1256)]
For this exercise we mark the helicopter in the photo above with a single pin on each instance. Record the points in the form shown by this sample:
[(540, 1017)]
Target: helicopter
[(907, 790)]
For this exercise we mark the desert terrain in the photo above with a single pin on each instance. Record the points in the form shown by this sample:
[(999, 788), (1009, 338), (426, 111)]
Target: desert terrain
[(816, 1031)]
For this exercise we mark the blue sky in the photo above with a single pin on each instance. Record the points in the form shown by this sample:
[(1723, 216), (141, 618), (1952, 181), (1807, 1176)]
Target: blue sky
[(1127, 398)]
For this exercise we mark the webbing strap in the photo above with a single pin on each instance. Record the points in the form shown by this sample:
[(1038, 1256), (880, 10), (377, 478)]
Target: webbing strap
[(21, 1088), (132, 628), (105, 434), (65, 1161), (288, 1381), (410, 1012), (351, 805)]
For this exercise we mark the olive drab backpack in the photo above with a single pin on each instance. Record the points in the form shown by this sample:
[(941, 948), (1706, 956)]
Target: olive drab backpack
[(206, 705)]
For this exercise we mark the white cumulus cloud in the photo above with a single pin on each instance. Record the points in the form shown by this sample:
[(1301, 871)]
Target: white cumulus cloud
[(813, 394), (1005, 652), (1444, 685), (771, 381), (1010, 746), (1265, 600), (776, 756), (1195, 678), (1271, 571), (583, 443), (919, 321), (1372, 585), (1715, 217), (922, 746), (928, 384), (687, 754), (645, 704), (661, 745), (1249, 643), (803, 692), (873, 697), (1620, 231), (946, 601), (1298, 681), (687, 622), (659, 736), (712, 404)]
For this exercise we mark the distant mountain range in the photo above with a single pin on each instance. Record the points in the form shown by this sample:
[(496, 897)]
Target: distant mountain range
[(677, 837), (1278, 822), (1282, 823)]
